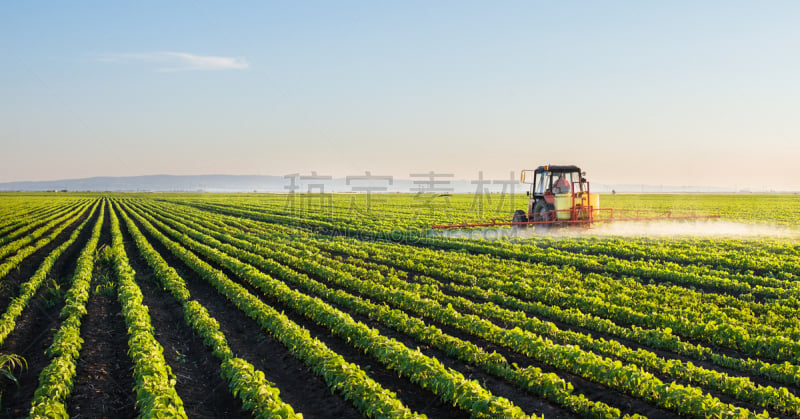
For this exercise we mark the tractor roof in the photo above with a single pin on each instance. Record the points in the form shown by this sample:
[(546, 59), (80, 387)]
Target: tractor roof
[(554, 168)]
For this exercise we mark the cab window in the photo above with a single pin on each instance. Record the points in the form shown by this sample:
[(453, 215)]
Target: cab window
[(543, 180)]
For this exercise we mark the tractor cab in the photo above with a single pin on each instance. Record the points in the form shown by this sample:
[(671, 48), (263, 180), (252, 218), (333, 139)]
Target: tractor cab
[(556, 180)]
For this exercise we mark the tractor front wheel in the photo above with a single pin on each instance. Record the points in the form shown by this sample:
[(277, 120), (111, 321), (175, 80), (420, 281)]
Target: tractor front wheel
[(519, 217), (542, 213)]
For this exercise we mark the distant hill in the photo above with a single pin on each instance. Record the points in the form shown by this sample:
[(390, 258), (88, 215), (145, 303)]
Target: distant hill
[(263, 183)]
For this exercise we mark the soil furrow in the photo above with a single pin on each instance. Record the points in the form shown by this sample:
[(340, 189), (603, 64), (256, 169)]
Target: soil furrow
[(103, 385)]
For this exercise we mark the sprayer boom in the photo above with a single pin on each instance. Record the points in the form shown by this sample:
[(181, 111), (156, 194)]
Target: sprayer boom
[(668, 216)]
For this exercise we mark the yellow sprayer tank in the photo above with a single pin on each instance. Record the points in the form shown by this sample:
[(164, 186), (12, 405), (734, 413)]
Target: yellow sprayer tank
[(563, 206)]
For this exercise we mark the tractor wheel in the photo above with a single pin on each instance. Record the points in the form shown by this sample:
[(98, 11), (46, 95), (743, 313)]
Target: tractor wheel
[(519, 217), (541, 212)]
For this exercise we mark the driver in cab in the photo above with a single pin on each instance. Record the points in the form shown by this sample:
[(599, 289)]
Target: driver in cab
[(561, 185)]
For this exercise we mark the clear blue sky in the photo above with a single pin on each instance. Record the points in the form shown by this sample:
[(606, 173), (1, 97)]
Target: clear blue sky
[(673, 93)]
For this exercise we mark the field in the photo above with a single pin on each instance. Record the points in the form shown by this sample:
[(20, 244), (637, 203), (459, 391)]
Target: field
[(348, 305)]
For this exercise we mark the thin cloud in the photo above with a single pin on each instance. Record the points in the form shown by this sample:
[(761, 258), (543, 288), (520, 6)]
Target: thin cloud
[(168, 61)]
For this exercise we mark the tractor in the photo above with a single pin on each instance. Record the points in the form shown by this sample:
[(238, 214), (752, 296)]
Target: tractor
[(558, 196)]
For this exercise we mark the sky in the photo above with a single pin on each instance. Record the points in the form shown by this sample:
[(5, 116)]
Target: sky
[(697, 93)]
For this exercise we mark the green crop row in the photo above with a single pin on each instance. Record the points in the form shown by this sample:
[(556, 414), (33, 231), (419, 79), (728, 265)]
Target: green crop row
[(56, 379)]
